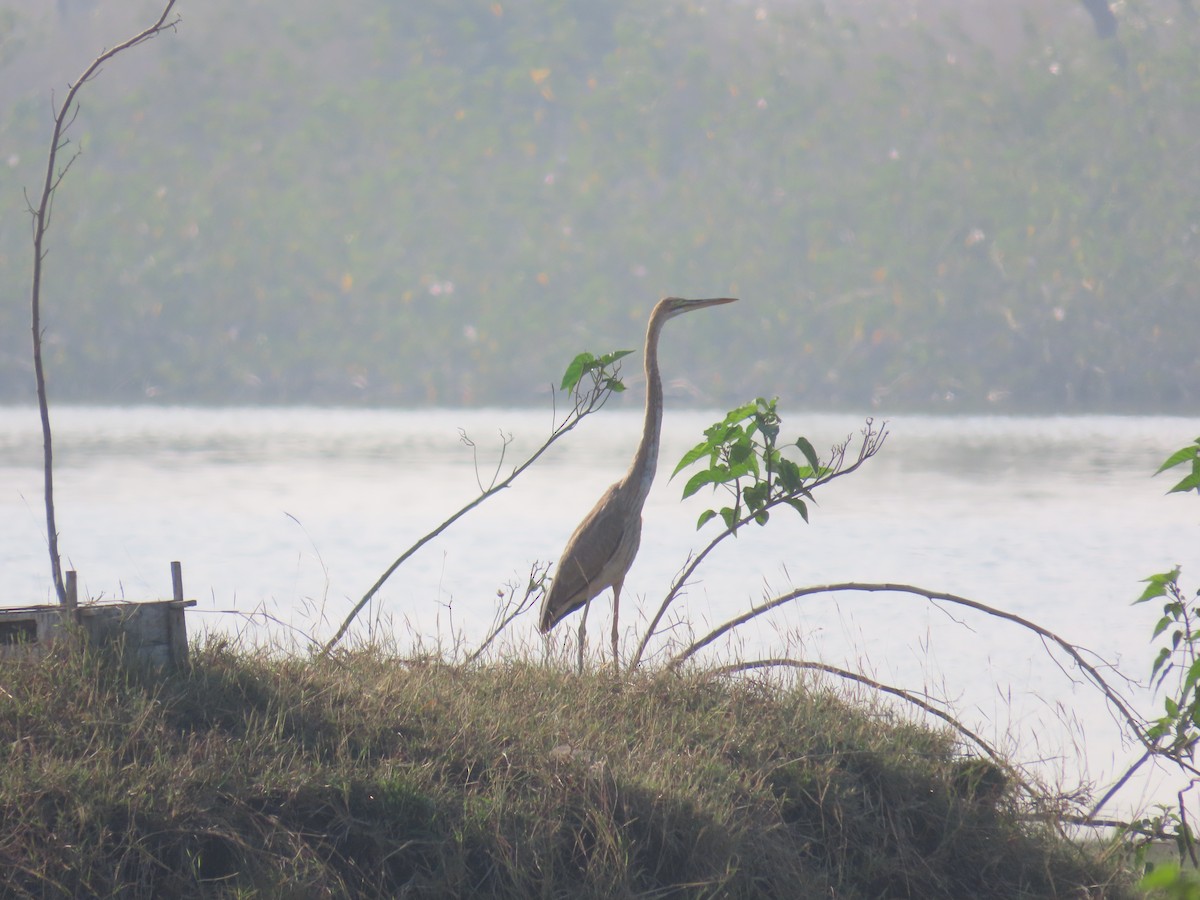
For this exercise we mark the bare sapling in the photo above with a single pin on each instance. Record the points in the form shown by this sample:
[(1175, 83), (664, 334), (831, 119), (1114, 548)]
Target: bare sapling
[(41, 215), (589, 382)]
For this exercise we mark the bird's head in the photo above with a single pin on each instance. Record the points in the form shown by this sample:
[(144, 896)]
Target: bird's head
[(677, 306)]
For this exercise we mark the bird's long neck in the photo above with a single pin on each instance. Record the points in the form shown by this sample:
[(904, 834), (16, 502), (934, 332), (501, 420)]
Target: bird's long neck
[(645, 461)]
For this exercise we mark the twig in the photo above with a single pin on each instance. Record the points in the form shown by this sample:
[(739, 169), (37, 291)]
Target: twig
[(1185, 830), (534, 587), (505, 440)]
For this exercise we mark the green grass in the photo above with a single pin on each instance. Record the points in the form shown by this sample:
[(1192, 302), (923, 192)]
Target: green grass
[(254, 774)]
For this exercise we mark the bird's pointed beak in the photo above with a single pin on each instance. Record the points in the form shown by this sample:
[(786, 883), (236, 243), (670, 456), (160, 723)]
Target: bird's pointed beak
[(711, 301)]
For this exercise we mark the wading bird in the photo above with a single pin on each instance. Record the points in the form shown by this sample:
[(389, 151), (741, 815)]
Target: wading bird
[(602, 549)]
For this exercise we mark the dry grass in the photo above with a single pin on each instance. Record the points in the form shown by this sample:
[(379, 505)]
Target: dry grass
[(258, 775)]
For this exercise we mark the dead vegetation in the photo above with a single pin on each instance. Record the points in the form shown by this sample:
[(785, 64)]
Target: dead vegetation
[(367, 774)]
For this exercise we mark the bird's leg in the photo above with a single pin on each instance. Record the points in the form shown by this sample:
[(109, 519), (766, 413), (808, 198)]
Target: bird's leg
[(583, 633), (616, 633)]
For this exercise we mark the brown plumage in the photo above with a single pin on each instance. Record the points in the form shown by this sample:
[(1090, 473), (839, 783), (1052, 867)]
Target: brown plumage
[(603, 547)]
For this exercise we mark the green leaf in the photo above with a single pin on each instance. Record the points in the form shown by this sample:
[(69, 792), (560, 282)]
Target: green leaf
[(580, 364), (798, 506), (729, 517), (719, 432), (700, 479), (1154, 590), (740, 452), (768, 425), (1192, 676), (1157, 585), (609, 358), (1163, 655), (810, 455), (1192, 482), (1186, 454), (588, 362), (701, 450), (704, 517), (787, 473), (740, 413), (756, 496), (745, 466), (1163, 624)]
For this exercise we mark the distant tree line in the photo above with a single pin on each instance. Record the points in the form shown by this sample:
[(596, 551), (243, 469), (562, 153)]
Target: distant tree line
[(441, 203)]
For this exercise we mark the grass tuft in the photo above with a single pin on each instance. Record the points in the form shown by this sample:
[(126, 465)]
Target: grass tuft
[(253, 774)]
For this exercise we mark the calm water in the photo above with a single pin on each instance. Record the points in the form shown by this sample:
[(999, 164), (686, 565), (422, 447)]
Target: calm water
[(283, 518)]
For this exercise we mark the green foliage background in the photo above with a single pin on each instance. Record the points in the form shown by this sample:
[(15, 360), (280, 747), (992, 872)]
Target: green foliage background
[(961, 207)]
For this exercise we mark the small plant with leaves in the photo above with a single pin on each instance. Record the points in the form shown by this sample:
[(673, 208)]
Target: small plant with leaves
[(745, 459), (743, 456), (1177, 733)]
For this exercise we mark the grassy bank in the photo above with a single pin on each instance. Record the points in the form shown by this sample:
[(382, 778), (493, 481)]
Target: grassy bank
[(372, 775)]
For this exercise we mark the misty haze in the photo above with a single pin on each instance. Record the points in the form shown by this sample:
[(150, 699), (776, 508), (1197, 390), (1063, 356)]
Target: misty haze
[(929, 206)]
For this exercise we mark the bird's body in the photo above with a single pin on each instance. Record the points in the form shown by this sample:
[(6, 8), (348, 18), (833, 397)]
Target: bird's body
[(600, 552)]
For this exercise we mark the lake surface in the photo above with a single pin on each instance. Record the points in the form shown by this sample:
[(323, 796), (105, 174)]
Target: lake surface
[(283, 518)]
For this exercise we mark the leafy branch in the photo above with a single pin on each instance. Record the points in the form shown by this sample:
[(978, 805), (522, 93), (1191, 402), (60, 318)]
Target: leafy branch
[(589, 381), (1180, 726), (745, 460), (1175, 734), (1189, 454)]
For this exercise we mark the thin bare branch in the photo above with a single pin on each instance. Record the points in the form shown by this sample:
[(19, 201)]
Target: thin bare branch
[(534, 588), (63, 119), (1120, 783), (505, 440), (1132, 719)]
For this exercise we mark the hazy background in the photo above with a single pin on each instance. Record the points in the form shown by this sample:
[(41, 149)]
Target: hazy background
[(925, 206)]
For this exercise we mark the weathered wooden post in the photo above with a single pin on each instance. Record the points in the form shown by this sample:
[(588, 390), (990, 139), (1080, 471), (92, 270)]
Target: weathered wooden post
[(176, 627), (72, 603)]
